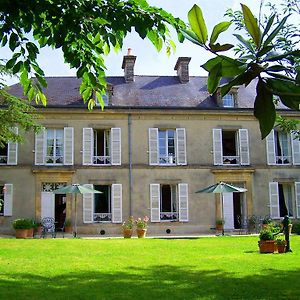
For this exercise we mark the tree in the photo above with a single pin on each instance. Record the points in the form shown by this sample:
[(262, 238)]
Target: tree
[(263, 55), (84, 30)]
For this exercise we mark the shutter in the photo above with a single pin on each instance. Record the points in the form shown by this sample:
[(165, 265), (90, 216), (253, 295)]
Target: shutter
[(12, 152), (227, 199), (181, 146), (297, 194), (40, 140), (155, 202), (244, 147), (153, 146), (295, 149), (88, 206), (116, 203), (8, 199), (115, 141), (183, 202), (217, 146), (274, 200), (271, 156), (87, 146), (68, 146), (47, 204)]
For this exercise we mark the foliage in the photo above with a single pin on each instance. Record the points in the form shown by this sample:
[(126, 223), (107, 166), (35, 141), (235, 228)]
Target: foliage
[(266, 220), (68, 223), (142, 223), (220, 221), (85, 31), (280, 241), (272, 66), (266, 235), (22, 224), (296, 228), (128, 224)]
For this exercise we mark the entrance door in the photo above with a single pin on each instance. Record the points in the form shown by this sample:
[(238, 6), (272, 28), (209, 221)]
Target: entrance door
[(47, 205), (60, 210), (228, 211)]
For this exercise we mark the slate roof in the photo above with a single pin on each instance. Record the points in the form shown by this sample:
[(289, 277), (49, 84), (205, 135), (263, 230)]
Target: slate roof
[(145, 91)]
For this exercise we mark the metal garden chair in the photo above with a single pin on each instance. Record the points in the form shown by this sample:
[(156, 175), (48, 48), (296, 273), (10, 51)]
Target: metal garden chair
[(48, 227)]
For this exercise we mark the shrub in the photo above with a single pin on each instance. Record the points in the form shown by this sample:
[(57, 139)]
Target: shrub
[(266, 235), (22, 224), (296, 228)]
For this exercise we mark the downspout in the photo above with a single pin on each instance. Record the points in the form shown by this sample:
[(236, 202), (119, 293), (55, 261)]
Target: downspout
[(130, 163)]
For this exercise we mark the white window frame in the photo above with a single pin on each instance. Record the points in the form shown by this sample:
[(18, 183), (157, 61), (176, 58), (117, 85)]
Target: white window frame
[(228, 101), (54, 139)]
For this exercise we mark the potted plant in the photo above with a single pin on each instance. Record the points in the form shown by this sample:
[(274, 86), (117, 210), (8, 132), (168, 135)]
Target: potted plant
[(220, 224), (30, 230), (68, 226), (38, 228), (266, 222), (21, 226), (141, 226), (281, 244), (127, 227), (266, 243)]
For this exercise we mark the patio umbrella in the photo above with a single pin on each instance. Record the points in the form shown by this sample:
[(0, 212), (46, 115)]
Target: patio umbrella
[(75, 188), (220, 188)]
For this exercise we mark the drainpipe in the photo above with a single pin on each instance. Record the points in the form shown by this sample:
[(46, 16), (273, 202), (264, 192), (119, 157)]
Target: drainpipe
[(130, 163)]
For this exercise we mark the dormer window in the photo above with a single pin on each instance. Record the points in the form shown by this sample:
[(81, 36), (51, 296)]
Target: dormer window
[(228, 100)]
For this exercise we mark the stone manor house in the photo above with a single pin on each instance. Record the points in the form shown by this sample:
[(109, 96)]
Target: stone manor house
[(158, 141)]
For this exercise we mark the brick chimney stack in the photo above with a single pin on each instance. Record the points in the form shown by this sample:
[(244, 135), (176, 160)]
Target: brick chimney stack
[(182, 67), (128, 66)]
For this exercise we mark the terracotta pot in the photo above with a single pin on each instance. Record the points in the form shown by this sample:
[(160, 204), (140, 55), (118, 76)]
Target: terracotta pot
[(38, 230), (266, 246), (141, 233), (281, 248), (30, 232), (219, 227), (68, 229), (127, 233), (21, 233)]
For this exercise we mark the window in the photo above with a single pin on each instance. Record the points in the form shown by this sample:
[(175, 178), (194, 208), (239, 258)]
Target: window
[(167, 146), (6, 199), (101, 146), (3, 154), (231, 147), (228, 100), (9, 153), (169, 202), (284, 199), (54, 146), (282, 148), (104, 207)]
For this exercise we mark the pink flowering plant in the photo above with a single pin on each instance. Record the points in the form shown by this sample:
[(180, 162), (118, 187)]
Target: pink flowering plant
[(128, 224), (142, 223)]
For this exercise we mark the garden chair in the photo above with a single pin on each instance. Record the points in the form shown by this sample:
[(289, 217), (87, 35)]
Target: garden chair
[(48, 226)]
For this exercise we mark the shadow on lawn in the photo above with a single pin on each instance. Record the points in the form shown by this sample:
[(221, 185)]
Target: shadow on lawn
[(160, 282)]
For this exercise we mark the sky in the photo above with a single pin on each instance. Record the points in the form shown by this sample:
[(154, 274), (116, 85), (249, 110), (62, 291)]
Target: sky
[(149, 61)]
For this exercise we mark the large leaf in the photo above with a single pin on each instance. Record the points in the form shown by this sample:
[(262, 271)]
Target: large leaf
[(219, 48), (264, 108), (219, 28), (238, 80), (275, 31), (251, 25), (214, 78), (197, 23), (191, 36)]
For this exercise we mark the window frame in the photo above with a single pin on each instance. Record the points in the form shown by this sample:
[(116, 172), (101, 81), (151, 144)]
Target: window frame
[(54, 146)]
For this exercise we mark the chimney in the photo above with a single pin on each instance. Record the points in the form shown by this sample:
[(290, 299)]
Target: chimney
[(182, 67), (128, 66)]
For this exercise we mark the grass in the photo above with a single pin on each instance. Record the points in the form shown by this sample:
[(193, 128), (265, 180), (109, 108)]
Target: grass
[(204, 268)]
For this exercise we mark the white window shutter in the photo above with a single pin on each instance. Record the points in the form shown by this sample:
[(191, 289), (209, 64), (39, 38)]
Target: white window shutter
[(181, 146), (68, 146), (274, 200), (217, 146), (183, 193), (271, 155), (295, 149), (8, 199), (116, 202), (155, 202), (40, 141), (87, 146), (297, 196), (47, 205), (88, 205), (115, 140), (153, 146), (12, 151), (244, 147)]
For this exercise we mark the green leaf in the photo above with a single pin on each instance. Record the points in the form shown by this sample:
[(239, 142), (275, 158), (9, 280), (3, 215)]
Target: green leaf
[(264, 108), (13, 41), (251, 25), (10, 63), (275, 31), (238, 80), (264, 50), (218, 48), (197, 23), (219, 28), (246, 43), (31, 93), (191, 36), (268, 26), (214, 77)]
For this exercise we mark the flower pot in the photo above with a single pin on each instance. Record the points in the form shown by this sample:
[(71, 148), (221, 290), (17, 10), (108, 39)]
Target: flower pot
[(68, 229), (38, 230), (281, 248), (219, 227), (266, 246), (21, 233), (127, 233), (141, 232), (30, 232)]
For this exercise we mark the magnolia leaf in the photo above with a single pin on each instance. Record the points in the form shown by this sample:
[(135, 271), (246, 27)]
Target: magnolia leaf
[(246, 43), (275, 31), (251, 25), (214, 78), (219, 48), (268, 26), (197, 23), (219, 28), (264, 108), (191, 36)]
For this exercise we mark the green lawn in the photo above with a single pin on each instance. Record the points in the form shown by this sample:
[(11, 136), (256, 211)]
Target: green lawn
[(204, 268)]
